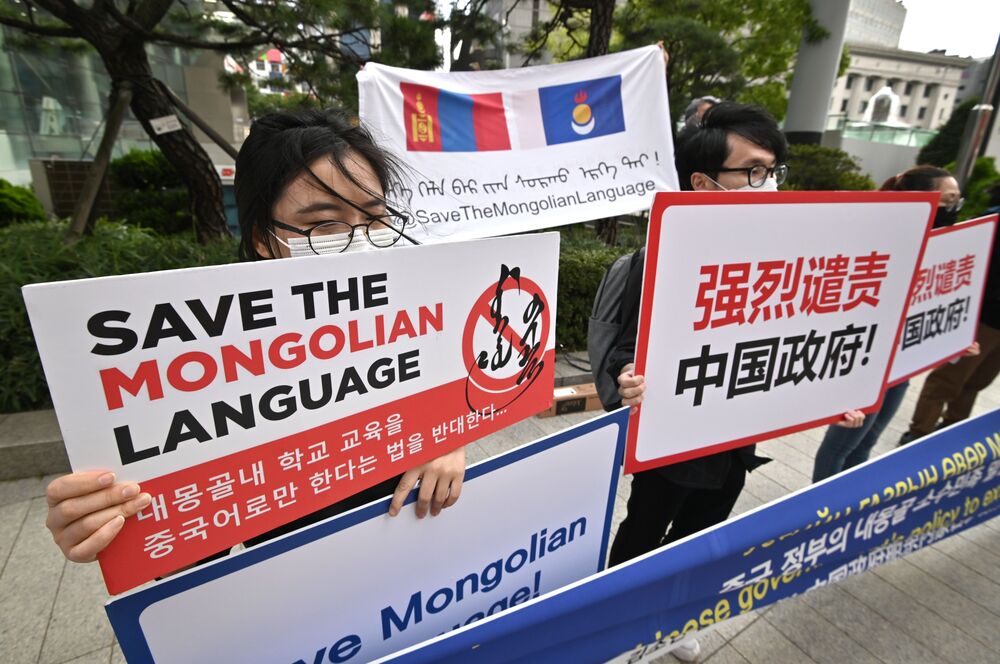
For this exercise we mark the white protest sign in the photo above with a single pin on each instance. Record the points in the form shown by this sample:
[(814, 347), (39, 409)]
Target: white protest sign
[(943, 311), (363, 585), (497, 152), (246, 396), (766, 313)]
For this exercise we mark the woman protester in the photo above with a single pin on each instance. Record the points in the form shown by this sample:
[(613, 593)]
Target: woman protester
[(843, 447), (307, 182)]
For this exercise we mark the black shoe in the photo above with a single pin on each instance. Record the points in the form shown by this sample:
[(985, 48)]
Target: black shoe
[(907, 438)]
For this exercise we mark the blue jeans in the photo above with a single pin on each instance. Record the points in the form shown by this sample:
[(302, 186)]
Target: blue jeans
[(844, 448)]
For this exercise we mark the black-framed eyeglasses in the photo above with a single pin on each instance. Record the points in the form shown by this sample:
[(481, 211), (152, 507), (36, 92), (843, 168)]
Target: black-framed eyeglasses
[(756, 175), (334, 237)]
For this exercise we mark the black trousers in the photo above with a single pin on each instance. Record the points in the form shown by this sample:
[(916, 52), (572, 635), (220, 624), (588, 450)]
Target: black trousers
[(657, 502)]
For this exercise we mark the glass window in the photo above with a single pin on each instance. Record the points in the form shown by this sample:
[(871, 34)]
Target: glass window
[(850, 81), (922, 112), (909, 88), (843, 106), (902, 111)]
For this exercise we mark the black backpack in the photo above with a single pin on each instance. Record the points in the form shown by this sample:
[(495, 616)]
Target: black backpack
[(605, 324)]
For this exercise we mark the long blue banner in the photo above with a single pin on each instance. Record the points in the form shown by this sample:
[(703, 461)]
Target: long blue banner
[(878, 512)]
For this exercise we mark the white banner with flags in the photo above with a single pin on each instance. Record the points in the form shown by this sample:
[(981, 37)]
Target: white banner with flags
[(496, 152)]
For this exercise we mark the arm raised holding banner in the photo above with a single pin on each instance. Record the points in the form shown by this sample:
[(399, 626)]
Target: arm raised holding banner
[(325, 196)]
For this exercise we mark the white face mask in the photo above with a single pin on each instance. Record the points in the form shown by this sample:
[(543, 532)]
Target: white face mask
[(770, 184), (298, 245)]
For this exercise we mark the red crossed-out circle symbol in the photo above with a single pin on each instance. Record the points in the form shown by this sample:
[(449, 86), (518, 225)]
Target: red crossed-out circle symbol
[(484, 386)]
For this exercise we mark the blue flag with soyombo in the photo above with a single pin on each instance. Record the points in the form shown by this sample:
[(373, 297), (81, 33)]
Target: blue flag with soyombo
[(582, 110)]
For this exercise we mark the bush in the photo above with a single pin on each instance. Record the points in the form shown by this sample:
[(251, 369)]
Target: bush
[(149, 193), (977, 197), (18, 204), (943, 148), (583, 260), (35, 252), (819, 168)]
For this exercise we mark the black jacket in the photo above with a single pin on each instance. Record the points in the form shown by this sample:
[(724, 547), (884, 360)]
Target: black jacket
[(990, 314), (708, 472)]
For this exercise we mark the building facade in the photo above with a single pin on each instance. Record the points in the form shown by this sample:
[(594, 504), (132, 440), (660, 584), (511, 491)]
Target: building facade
[(926, 83), (875, 22)]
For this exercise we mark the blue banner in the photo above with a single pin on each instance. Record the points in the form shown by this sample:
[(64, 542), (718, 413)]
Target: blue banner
[(846, 525)]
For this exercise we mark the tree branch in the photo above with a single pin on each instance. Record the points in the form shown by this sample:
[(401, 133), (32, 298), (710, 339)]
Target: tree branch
[(36, 28)]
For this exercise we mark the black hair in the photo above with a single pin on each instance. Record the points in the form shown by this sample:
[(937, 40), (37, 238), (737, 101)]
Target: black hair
[(918, 178), (280, 147), (704, 148)]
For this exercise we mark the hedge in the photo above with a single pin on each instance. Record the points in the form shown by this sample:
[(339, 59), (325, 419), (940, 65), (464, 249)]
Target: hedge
[(35, 252)]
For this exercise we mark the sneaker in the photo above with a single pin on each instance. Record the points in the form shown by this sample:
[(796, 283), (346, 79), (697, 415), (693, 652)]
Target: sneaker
[(687, 650), (906, 439)]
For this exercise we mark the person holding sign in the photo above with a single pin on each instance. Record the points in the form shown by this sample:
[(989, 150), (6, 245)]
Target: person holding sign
[(950, 390), (307, 183), (734, 147), (842, 447)]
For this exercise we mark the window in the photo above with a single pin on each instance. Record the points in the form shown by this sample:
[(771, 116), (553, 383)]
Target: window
[(259, 66), (864, 106), (945, 96), (909, 88), (843, 106), (850, 81), (275, 66), (927, 90), (902, 111), (869, 82), (922, 112)]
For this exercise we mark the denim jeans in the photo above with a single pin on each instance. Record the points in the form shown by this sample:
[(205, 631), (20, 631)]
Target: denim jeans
[(844, 448)]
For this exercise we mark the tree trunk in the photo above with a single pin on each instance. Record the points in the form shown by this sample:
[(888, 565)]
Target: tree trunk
[(601, 13), (600, 27), (180, 148)]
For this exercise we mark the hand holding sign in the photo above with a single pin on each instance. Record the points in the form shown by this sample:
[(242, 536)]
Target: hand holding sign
[(87, 510)]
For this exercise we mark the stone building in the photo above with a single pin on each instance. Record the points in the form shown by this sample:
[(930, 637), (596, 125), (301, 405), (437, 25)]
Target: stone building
[(926, 84)]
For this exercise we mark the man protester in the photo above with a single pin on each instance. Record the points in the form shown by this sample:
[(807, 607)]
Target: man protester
[(735, 147)]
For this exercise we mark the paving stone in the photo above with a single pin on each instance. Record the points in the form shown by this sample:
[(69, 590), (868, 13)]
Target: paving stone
[(974, 557), (764, 487), (102, 656), (117, 656), (727, 655), (815, 635), (867, 626), (761, 642), (781, 448), (78, 624), (28, 587), (784, 475), (15, 491), (918, 622), (984, 591), (943, 601), (11, 520)]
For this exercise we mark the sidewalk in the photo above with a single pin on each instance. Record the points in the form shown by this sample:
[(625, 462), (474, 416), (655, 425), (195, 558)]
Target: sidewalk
[(941, 604)]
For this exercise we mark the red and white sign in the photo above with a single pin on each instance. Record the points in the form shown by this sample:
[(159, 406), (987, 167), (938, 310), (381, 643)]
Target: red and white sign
[(767, 313), (245, 396), (943, 312)]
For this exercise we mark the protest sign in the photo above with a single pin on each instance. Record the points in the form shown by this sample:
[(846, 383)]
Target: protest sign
[(496, 152), (943, 310), (855, 521), (766, 313), (362, 585), (245, 396)]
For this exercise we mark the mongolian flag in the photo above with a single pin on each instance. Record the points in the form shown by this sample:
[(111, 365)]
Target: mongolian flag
[(582, 110), (441, 121)]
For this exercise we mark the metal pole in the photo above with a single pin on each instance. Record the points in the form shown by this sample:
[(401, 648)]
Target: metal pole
[(977, 124)]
